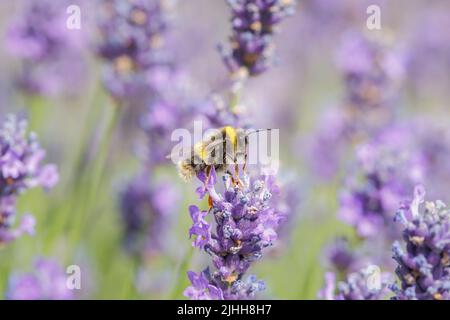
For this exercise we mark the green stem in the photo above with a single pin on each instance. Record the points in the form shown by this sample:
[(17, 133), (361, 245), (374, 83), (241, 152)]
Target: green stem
[(36, 111), (181, 271), (235, 97), (60, 212), (92, 180)]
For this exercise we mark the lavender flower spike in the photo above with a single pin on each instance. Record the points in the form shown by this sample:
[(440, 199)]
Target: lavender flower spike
[(46, 282), (360, 285), (48, 50), (146, 208), (20, 169), (424, 266), (254, 23), (389, 164), (245, 224), (130, 43)]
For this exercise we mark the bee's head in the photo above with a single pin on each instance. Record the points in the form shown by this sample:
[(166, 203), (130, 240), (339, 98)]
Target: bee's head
[(186, 170)]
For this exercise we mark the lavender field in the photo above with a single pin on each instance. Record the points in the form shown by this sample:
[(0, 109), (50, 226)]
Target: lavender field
[(97, 200)]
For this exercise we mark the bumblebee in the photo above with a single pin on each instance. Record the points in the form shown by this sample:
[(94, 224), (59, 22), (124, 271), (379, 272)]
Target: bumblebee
[(227, 146)]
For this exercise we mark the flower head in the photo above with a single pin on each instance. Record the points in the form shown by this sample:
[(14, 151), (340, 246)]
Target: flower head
[(340, 256), (131, 41), (48, 281), (49, 51), (201, 288), (424, 265), (365, 284), (20, 160), (371, 76), (254, 22), (370, 72), (388, 165), (245, 224), (146, 208), (20, 169)]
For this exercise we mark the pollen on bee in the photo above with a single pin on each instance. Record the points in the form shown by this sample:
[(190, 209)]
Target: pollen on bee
[(210, 202)]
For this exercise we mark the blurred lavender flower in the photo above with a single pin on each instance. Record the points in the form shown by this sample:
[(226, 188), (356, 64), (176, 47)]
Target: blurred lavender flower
[(340, 257), (216, 113), (388, 166), (146, 208), (131, 42), (391, 163), (344, 260), (20, 169), (372, 75), (428, 51), (433, 138), (7, 217), (49, 51), (315, 14), (46, 282), (172, 106), (254, 23), (326, 147), (246, 223), (424, 267), (371, 72), (357, 286)]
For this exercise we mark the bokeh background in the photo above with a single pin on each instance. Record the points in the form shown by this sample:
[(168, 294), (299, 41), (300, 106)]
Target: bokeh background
[(98, 149)]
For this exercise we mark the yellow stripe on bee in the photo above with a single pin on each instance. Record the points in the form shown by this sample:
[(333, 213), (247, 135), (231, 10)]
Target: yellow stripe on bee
[(230, 132)]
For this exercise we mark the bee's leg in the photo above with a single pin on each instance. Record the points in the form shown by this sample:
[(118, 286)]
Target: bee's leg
[(228, 172), (244, 168), (208, 174), (236, 166), (236, 178)]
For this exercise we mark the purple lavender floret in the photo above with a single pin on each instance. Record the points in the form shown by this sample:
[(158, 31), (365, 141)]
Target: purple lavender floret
[(146, 208), (47, 281), (20, 160), (424, 264), (245, 224), (254, 23), (361, 285), (206, 287), (201, 288), (49, 51), (131, 42), (20, 169), (370, 72)]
